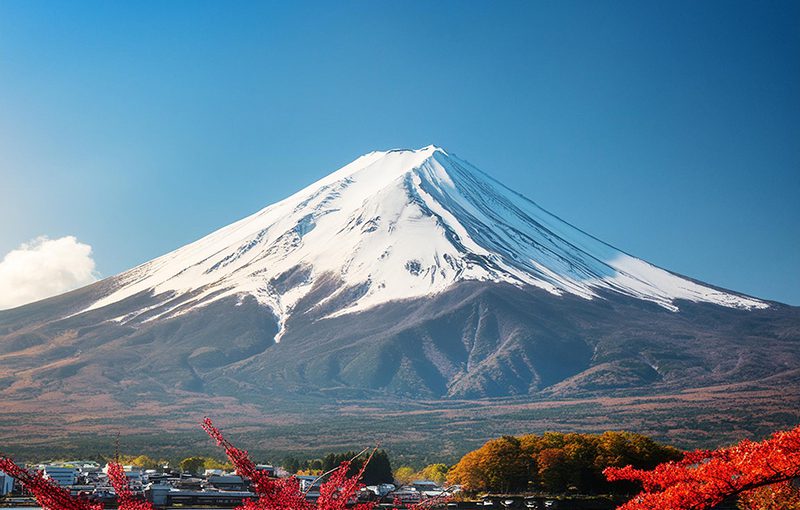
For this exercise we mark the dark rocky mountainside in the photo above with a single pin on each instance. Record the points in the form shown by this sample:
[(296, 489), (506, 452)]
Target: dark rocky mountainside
[(476, 340)]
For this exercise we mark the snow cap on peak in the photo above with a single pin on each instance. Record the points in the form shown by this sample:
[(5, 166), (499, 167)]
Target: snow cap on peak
[(402, 224), (432, 148), (379, 168), (428, 149)]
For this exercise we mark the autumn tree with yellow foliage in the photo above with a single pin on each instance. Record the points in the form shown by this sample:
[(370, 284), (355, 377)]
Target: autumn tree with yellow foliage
[(555, 462)]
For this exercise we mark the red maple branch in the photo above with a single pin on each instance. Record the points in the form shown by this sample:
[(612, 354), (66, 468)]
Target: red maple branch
[(47, 493), (125, 498), (284, 494), (705, 478)]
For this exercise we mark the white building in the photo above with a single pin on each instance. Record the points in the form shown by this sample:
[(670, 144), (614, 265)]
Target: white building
[(382, 489), (307, 481), (426, 485), (407, 494), (63, 476)]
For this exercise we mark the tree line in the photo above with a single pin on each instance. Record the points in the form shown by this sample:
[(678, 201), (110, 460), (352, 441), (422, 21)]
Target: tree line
[(556, 462), (378, 470), (552, 462)]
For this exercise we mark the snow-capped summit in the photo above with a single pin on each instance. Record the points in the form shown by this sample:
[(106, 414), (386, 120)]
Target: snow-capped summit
[(394, 225)]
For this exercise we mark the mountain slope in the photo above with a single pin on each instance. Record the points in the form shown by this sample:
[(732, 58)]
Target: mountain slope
[(403, 274)]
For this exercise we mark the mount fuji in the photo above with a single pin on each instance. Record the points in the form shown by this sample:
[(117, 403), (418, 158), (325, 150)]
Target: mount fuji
[(404, 274), (391, 226)]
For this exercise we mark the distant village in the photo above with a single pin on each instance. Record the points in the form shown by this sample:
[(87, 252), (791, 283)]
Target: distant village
[(169, 487)]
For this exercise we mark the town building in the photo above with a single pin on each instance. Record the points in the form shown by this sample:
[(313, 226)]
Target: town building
[(62, 475), (6, 484)]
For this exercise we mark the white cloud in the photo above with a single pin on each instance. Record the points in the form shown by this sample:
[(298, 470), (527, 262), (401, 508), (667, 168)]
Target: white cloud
[(44, 267)]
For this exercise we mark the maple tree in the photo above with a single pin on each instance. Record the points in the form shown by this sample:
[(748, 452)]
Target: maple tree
[(336, 493), (285, 493), (704, 478)]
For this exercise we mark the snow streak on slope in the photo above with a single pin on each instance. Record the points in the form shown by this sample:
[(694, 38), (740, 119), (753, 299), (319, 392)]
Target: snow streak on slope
[(396, 225)]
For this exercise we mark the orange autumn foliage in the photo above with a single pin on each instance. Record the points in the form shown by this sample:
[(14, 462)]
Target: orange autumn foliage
[(553, 462), (781, 496)]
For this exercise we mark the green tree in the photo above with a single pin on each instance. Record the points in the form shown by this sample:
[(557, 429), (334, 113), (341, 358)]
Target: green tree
[(193, 464), (142, 461), (291, 464), (404, 475), (435, 472), (379, 469), (211, 463), (331, 461)]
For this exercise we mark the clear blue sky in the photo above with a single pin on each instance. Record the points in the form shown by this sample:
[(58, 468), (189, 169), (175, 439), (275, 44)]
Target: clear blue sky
[(669, 129)]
